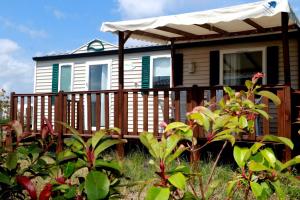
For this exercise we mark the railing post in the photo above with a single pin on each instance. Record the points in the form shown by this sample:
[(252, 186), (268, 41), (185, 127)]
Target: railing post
[(12, 106), (59, 110), (287, 120)]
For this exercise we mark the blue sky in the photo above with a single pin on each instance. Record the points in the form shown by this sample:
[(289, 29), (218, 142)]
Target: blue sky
[(38, 27)]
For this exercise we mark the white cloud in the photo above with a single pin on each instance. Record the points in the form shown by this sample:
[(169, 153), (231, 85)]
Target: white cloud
[(34, 33), (133, 9), (58, 14), (141, 8), (16, 73)]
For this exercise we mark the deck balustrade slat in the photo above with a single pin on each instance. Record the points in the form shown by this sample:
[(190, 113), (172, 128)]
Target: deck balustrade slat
[(50, 108), (125, 127), (22, 112), (64, 111), (135, 113), (28, 113), (98, 111), (35, 106), (166, 106), (106, 111), (81, 114), (177, 105), (145, 110), (155, 113), (116, 109), (73, 99), (89, 113), (42, 110), (15, 107)]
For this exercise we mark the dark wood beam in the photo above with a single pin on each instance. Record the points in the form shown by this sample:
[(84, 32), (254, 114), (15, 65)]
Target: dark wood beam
[(213, 28), (127, 36), (255, 25), (175, 31), (152, 35), (233, 34), (173, 51), (121, 60), (285, 48), (298, 41)]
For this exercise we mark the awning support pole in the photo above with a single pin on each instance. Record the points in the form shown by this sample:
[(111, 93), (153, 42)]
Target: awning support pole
[(173, 51), (285, 48), (120, 147)]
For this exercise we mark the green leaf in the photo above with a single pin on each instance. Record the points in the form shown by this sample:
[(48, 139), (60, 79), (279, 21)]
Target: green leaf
[(271, 96), (269, 155), (243, 122), (248, 84), (12, 160), (110, 165), (229, 91), (200, 119), (4, 179), (75, 135), (158, 193), (241, 155), (283, 140), (263, 113), (69, 169), (181, 168), (70, 193), (96, 185), (171, 143), (294, 161), (152, 144), (106, 144), (178, 180), (175, 125), (66, 155), (256, 146), (279, 192), (230, 138), (256, 189), (257, 167), (230, 187), (189, 196), (176, 154), (97, 137), (205, 111)]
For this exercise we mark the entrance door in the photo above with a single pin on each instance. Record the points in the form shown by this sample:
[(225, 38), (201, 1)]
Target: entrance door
[(98, 80)]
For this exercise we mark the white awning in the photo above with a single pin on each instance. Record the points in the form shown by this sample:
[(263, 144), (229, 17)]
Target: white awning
[(259, 17)]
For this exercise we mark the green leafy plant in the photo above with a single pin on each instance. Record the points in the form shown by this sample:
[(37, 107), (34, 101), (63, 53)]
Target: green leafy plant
[(83, 171), (260, 169), (23, 163)]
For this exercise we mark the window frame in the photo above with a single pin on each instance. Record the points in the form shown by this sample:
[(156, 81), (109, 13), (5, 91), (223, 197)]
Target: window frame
[(152, 68), (243, 50), (72, 74)]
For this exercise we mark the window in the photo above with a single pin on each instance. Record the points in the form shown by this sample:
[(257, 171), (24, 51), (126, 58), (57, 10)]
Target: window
[(65, 78), (239, 66), (161, 72)]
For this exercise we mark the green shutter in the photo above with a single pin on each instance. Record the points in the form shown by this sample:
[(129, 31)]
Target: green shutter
[(55, 72), (145, 72)]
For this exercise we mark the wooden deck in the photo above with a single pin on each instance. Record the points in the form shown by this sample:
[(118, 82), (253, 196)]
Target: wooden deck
[(141, 110)]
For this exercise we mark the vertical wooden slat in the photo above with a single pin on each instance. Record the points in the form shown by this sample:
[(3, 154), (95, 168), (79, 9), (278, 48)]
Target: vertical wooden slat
[(106, 110), (50, 108), (135, 113), (116, 109), (73, 110), (80, 114), (280, 114), (166, 106), (145, 111), (266, 123), (177, 105), (287, 121), (89, 113), (125, 125), (42, 109), (11, 112), (213, 99), (98, 111), (56, 113), (155, 113), (64, 111), (68, 111), (15, 107), (28, 113), (35, 105), (22, 111), (189, 106)]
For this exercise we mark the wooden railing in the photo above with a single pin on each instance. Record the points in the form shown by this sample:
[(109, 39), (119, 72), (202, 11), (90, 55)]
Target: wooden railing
[(143, 110)]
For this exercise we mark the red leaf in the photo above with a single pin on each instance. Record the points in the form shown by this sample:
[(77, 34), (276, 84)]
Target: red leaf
[(26, 183), (46, 192), (44, 131), (61, 180), (79, 197), (49, 125)]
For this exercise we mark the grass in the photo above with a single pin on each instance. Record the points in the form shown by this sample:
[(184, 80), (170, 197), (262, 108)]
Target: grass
[(137, 168)]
